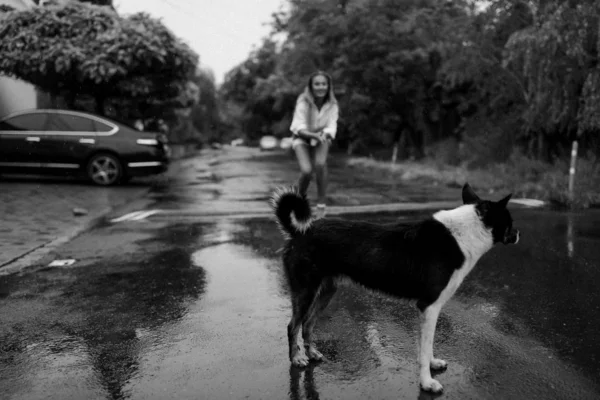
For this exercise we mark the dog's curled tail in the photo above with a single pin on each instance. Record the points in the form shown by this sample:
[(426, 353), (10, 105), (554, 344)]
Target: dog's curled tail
[(292, 210)]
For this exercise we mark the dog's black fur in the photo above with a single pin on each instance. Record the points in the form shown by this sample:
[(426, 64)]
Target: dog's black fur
[(420, 261)]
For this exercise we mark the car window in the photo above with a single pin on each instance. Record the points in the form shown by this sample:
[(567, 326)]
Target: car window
[(26, 122), (101, 127), (70, 123)]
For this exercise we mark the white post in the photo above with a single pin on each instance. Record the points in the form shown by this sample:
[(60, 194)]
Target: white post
[(572, 169), (570, 245), (395, 153)]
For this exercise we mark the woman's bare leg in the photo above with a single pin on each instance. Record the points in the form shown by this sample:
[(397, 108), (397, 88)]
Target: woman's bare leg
[(303, 155), (321, 153)]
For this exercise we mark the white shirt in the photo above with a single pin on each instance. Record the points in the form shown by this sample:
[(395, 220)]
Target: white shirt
[(308, 116)]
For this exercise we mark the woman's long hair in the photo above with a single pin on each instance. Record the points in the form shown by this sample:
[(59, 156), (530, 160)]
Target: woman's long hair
[(330, 97)]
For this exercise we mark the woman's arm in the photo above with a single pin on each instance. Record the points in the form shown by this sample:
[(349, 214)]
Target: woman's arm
[(331, 128), (306, 134)]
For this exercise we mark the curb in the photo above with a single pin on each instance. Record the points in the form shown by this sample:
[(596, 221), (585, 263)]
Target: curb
[(34, 255), (331, 210), (266, 212)]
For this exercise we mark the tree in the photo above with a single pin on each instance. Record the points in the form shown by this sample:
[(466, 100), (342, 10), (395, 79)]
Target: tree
[(99, 2), (108, 3), (557, 59), (476, 83), (383, 55), (89, 50), (205, 114), (246, 86), (493, 74)]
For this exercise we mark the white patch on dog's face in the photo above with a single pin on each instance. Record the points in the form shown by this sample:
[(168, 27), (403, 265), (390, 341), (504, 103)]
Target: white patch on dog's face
[(469, 231)]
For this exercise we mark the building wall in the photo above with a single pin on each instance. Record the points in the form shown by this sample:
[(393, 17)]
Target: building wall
[(15, 94), (18, 4)]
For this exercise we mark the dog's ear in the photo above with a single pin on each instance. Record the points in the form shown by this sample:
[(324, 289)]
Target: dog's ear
[(468, 195), (504, 201)]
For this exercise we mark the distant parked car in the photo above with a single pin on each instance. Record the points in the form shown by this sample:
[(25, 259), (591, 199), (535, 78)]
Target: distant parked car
[(286, 143), (237, 142), (268, 143), (58, 142)]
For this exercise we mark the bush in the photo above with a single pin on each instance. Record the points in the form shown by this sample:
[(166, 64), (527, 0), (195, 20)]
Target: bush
[(445, 152), (489, 141)]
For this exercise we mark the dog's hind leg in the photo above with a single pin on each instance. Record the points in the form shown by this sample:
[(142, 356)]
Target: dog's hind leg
[(302, 304), (324, 296)]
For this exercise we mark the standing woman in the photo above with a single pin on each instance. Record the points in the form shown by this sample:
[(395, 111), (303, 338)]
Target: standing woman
[(314, 127)]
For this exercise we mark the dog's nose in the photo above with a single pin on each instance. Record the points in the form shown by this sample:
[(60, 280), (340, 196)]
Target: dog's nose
[(512, 237)]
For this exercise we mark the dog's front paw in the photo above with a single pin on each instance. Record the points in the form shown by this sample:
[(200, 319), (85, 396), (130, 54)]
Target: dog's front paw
[(438, 364), (314, 354), (300, 360), (431, 385)]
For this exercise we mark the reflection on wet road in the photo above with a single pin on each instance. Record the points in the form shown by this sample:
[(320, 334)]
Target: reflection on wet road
[(156, 310)]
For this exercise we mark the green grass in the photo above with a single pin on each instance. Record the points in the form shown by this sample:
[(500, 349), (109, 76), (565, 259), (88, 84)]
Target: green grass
[(520, 175)]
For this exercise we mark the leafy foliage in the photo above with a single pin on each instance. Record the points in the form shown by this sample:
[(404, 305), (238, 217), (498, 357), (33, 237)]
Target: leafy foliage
[(99, 2), (86, 49), (6, 8), (383, 55), (558, 61), (265, 95), (205, 114), (491, 74)]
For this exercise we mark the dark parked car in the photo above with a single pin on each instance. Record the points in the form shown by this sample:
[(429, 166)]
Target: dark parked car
[(60, 142)]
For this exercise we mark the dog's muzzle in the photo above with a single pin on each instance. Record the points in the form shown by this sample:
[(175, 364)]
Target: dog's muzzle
[(512, 236)]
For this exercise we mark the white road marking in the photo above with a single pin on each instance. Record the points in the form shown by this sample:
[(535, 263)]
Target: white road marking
[(334, 210), (144, 215), (61, 263), (135, 216), (126, 216)]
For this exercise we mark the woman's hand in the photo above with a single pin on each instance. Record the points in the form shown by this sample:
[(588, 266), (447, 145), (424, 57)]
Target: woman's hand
[(308, 135), (324, 137), (317, 136)]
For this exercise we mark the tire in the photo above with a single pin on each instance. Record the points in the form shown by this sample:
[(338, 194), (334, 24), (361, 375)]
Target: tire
[(104, 169)]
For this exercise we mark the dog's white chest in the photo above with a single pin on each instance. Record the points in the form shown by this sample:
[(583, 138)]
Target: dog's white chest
[(471, 235)]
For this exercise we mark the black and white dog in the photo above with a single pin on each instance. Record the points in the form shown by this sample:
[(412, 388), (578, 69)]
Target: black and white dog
[(425, 262)]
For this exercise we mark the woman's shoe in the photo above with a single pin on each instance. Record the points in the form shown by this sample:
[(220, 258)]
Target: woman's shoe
[(321, 210)]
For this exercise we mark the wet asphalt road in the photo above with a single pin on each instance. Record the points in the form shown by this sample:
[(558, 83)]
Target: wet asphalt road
[(177, 308)]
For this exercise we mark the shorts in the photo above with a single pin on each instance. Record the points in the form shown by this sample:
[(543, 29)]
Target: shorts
[(296, 140), (301, 141)]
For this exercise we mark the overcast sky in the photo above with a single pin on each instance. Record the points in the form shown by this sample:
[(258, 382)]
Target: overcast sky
[(222, 32)]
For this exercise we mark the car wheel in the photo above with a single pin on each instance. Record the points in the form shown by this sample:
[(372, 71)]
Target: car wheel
[(104, 169)]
